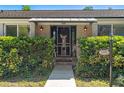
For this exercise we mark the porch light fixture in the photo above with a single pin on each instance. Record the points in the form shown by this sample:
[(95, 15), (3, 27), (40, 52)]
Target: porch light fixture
[(85, 28), (41, 28)]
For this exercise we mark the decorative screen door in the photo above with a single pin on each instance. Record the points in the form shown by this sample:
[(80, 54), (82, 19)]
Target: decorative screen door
[(65, 39)]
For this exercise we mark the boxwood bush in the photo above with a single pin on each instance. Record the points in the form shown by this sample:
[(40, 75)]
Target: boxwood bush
[(24, 55), (92, 64)]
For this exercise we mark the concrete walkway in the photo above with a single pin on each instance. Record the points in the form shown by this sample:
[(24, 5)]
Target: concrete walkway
[(61, 76)]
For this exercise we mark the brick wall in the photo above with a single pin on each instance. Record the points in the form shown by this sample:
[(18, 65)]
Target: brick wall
[(44, 32), (81, 32)]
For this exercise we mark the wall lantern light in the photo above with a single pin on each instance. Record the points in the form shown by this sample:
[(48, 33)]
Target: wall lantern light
[(85, 28), (41, 28)]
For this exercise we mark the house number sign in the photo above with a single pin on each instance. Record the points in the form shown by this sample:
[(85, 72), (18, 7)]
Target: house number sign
[(104, 52)]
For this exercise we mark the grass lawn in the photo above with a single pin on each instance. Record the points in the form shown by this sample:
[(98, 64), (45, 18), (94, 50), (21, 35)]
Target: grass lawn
[(91, 82), (35, 80)]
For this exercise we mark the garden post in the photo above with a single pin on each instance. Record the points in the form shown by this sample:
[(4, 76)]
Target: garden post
[(111, 56)]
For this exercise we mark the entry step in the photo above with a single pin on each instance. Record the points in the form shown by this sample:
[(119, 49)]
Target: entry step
[(64, 59), (64, 63)]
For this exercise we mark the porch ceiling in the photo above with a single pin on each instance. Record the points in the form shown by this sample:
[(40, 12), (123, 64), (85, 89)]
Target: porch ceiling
[(63, 20)]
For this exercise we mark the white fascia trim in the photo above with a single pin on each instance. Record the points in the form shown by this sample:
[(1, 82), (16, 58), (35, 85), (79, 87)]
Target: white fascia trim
[(64, 19)]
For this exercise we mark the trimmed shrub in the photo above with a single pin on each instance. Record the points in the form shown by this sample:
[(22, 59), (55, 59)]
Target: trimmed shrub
[(119, 81), (23, 55), (92, 64)]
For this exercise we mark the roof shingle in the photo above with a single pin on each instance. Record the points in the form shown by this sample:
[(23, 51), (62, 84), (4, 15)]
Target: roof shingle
[(62, 14)]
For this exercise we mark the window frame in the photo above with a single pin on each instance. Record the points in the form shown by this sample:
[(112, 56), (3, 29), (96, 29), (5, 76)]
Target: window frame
[(6, 29), (112, 26), (118, 24), (24, 25), (17, 25), (104, 24)]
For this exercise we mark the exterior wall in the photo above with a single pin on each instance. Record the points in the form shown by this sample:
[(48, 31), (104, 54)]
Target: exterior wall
[(14, 21), (82, 33), (80, 30), (94, 29), (32, 29), (110, 21), (1, 30), (44, 32)]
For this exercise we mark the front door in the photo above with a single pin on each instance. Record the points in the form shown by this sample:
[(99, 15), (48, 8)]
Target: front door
[(65, 39)]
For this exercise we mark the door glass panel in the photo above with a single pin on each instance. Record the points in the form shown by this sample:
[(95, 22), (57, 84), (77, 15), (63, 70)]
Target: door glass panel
[(68, 50), (59, 50), (63, 32)]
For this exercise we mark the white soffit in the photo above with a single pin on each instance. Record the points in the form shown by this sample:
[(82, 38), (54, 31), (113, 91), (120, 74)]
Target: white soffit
[(64, 19)]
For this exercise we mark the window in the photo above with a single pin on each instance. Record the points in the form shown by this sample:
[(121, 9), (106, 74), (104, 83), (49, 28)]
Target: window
[(20, 30), (11, 30), (104, 30), (23, 30), (118, 29)]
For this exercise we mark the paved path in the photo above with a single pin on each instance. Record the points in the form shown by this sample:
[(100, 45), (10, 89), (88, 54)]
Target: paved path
[(61, 76)]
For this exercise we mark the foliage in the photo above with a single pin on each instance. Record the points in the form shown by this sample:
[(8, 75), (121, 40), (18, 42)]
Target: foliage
[(26, 8), (119, 81), (92, 64), (92, 83), (35, 80), (109, 8), (23, 55), (88, 8)]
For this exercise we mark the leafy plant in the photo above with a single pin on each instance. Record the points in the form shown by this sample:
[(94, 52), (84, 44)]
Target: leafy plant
[(119, 81), (92, 64), (26, 8), (23, 55)]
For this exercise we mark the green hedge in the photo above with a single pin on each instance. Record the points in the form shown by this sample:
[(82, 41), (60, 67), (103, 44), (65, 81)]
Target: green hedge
[(24, 55), (92, 64)]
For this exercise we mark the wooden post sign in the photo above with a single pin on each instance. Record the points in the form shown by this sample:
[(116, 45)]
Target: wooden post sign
[(104, 52)]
